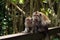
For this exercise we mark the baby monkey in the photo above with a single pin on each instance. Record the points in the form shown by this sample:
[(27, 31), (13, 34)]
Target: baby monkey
[(28, 24)]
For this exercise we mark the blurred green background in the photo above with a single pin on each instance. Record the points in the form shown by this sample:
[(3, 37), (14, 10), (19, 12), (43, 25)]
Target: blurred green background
[(13, 13)]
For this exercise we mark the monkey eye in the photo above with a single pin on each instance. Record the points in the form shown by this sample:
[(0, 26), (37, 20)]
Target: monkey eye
[(28, 19), (40, 14)]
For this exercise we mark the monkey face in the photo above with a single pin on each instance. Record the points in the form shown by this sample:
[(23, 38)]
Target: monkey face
[(41, 18), (28, 21), (35, 16)]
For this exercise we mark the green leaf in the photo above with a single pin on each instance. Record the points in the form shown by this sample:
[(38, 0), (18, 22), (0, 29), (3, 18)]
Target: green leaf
[(42, 9), (14, 1), (56, 39), (47, 13), (4, 27), (21, 1), (49, 10), (45, 1), (57, 1)]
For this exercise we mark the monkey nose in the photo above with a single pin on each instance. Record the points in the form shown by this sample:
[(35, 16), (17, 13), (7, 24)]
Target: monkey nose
[(36, 20)]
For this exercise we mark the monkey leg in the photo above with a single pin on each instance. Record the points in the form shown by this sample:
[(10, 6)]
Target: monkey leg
[(26, 29), (34, 29)]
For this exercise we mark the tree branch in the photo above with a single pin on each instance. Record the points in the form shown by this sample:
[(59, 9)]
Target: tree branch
[(17, 7)]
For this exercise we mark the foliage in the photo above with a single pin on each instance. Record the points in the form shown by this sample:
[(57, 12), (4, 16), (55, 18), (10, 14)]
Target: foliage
[(12, 18), (21, 1), (55, 38)]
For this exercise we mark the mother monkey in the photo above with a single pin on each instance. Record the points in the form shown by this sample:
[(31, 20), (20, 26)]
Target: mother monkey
[(43, 24)]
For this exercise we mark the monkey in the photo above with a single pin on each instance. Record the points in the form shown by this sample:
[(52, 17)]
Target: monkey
[(43, 24), (40, 23), (35, 21), (45, 21), (40, 19), (32, 22), (28, 24)]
